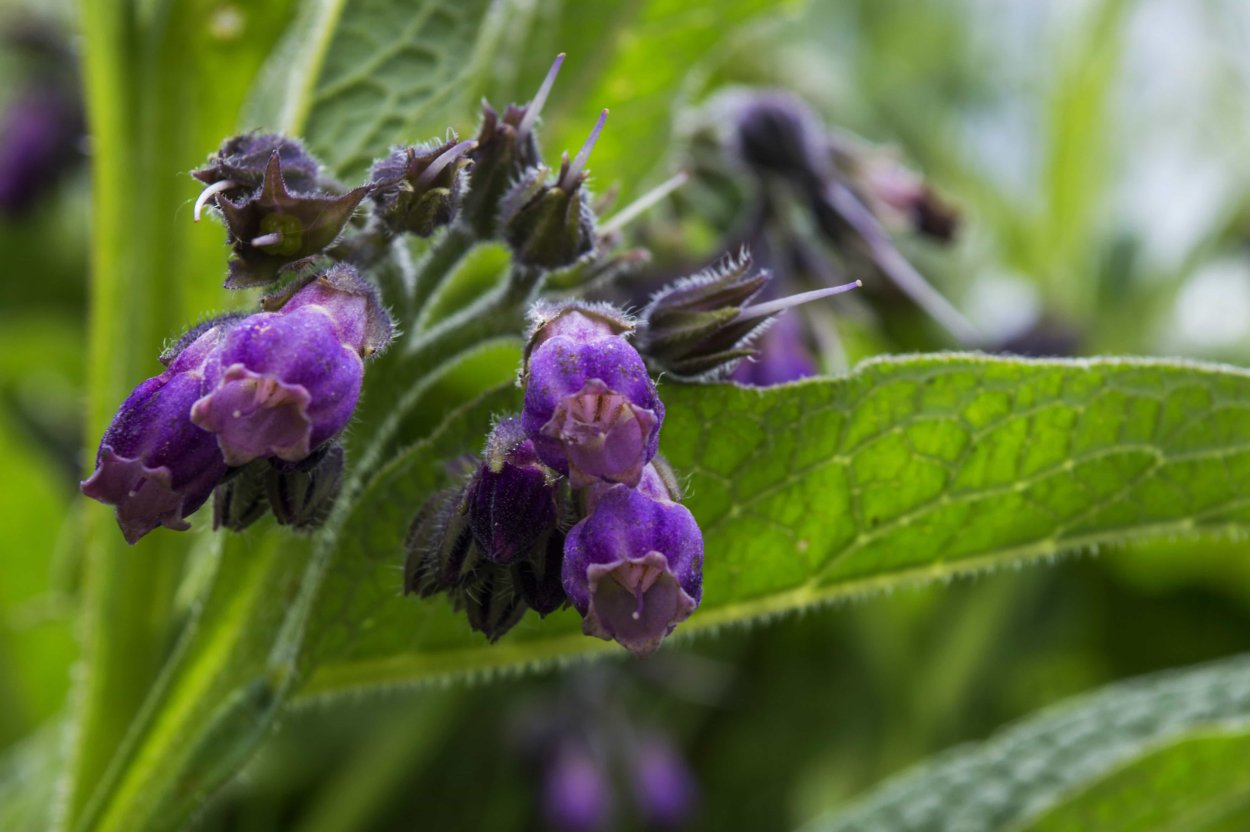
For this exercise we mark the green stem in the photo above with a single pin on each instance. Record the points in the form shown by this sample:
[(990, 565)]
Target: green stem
[(437, 265)]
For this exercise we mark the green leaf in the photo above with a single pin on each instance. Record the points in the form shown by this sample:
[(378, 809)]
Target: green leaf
[(909, 470), (1164, 752), (354, 77), (641, 58)]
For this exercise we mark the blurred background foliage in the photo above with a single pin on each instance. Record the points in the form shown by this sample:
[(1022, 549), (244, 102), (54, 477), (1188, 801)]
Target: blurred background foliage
[(1095, 151)]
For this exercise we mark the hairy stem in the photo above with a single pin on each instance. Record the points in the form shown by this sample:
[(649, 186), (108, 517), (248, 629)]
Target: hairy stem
[(433, 270)]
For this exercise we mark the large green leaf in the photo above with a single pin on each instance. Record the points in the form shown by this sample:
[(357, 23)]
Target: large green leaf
[(908, 470), (1165, 752), (354, 77)]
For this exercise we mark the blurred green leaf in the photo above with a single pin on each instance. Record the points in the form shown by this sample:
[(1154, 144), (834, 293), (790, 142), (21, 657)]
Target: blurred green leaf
[(638, 57), (164, 84), (1164, 752), (909, 470), (357, 76)]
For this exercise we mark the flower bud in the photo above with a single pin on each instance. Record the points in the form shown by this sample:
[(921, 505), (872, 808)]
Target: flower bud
[(633, 568), (417, 189), (776, 133), (241, 499), (505, 147), (303, 493), (154, 465), (590, 407), (512, 499), (273, 229), (241, 161), (491, 603), (552, 226), (702, 326), (537, 578), (438, 545)]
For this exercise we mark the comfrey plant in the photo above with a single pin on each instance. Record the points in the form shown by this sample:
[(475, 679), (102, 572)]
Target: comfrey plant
[(571, 502)]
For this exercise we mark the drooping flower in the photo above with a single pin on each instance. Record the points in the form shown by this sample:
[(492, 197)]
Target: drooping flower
[(633, 568), (283, 383), (154, 465), (590, 406)]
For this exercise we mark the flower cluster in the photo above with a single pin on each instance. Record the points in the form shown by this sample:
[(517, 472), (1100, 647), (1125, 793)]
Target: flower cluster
[(274, 387), (571, 502)]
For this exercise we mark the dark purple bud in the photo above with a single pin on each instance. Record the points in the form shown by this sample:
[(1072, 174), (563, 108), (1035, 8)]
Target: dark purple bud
[(664, 787), (418, 189), (776, 133), (438, 545), (537, 579), (590, 406), (551, 226), (512, 499), (154, 464), (273, 228), (280, 385), (360, 320), (576, 794), (781, 356), (634, 568), (239, 165), (303, 493), (489, 599), (506, 146), (39, 138), (241, 499)]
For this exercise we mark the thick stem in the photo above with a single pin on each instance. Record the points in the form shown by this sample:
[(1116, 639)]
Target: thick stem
[(434, 269)]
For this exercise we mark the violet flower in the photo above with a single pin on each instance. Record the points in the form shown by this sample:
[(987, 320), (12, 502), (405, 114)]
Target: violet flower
[(283, 383), (590, 406), (634, 568), (664, 787), (154, 465), (576, 794)]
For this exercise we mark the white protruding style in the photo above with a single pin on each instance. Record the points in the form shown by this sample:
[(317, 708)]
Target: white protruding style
[(210, 192), (644, 203)]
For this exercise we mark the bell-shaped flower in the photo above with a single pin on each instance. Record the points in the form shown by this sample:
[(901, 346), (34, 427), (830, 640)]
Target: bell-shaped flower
[(633, 568)]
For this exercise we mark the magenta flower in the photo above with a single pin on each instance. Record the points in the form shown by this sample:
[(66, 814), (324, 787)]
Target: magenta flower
[(590, 406), (634, 568), (154, 465)]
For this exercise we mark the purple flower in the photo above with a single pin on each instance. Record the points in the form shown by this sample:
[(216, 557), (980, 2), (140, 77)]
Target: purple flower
[(154, 465), (512, 499), (664, 788), (282, 383), (634, 568), (576, 794), (590, 406)]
